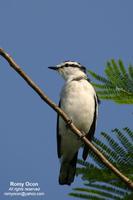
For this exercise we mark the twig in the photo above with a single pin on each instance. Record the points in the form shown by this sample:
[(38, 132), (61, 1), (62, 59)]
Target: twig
[(12, 63)]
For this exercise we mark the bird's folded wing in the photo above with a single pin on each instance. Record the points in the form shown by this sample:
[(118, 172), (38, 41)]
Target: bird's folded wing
[(91, 131)]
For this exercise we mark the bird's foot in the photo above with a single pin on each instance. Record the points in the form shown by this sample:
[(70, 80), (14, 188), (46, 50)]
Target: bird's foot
[(68, 123), (83, 135)]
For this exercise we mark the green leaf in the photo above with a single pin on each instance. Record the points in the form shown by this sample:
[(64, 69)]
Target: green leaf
[(118, 83), (98, 181)]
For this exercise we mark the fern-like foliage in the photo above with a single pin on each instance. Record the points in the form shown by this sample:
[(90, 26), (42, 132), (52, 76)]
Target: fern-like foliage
[(99, 183), (118, 84)]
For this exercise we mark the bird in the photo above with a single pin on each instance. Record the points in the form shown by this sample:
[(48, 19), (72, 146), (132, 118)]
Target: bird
[(78, 99)]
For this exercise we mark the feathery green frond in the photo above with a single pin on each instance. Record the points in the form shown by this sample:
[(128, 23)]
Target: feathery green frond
[(99, 78), (99, 181), (106, 187), (100, 193), (129, 133), (130, 69), (124, 140), (118, 84), (85, 196)]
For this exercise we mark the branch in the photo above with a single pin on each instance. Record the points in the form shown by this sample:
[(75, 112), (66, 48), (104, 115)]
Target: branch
[(43, 96)]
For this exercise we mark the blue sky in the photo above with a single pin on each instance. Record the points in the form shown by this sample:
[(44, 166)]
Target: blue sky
[(39, 34)]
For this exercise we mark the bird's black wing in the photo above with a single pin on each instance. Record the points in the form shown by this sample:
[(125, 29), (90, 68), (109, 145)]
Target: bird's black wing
[(58, 136), (92, 130), (98, 100)]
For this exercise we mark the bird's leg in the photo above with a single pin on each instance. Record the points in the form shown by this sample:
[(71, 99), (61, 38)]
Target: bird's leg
[(68, 123), (83, 135)]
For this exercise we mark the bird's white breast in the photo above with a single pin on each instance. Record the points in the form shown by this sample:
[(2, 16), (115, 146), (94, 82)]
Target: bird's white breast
[(77, 100)]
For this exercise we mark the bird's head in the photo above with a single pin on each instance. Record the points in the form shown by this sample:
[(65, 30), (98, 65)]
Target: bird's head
[(70, 70)]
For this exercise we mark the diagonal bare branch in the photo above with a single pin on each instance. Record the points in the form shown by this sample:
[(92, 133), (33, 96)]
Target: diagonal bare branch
[(43, 96)]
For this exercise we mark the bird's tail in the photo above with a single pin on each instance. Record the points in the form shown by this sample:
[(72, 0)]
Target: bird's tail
[(67, 171)]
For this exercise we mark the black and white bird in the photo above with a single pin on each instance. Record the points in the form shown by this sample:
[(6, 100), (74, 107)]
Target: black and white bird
[(79, 101)]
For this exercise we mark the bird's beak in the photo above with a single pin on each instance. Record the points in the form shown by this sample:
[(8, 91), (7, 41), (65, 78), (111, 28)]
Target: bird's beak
[(54, 68)]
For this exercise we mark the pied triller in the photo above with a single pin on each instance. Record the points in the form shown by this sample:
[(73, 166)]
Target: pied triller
[(79, 101)]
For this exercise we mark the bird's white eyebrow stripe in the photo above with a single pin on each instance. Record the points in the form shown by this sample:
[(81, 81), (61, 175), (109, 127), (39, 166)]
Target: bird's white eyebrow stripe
[(71, 64)]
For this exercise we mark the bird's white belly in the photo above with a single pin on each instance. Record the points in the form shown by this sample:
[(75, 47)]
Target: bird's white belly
[(78, 103)]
